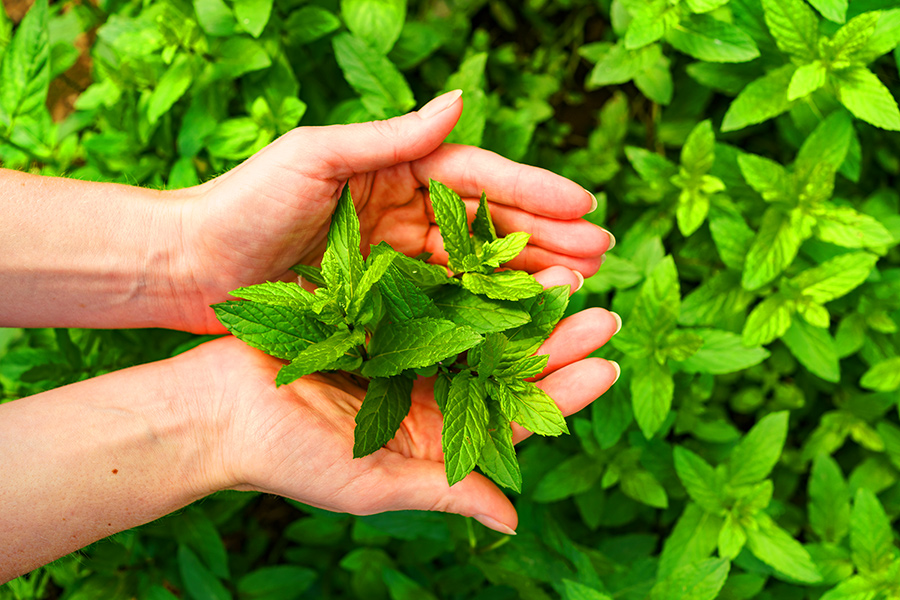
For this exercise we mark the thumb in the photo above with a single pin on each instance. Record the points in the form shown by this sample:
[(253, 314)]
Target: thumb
[(418, 484), (345, 150)]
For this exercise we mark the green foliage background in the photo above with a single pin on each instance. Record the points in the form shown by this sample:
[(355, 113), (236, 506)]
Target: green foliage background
[(745, 155)]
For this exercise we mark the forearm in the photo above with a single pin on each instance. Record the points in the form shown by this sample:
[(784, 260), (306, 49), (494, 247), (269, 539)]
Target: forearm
[(97, 457), (84, 254)]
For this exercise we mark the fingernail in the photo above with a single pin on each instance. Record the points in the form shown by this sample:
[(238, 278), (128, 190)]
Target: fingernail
[(439, 104), (612, 239), (494, 524), (594, 203), (618, 370), (618, 322), (602, 259), (580, 278)]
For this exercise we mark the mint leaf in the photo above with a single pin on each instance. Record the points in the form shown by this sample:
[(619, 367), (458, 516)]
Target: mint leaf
[(699, 479), (807, 79), (719, 299), (776, 244), (730, 233), (450, 216), (531, 407), (486, 357), (503, 285), (767, 177), (642, 486), (416, 343), (481, 314), (829, 500), (723, 352), (777, 548), (695, 581), (277, 293), (386, 404), (761, 100), (464, 432), (376, 266), (421, 274), (712, 40), (814, 348), (522, 368), (694, 537), (321, 356), (655, 312), (757, 453), (828, 144), (833, 10), (402, 299), (651, 394), (883, 376), (794, 26), (376, 22), (545, 311), (844, 226), (310, 274), (504, 249), (732, 537), (483, 225), (383, 88), (498, 455), (867, 98), (25, 68), (853, 37), (769, 320), (277, 330), (871, 535), (342, 263), (836, 277)]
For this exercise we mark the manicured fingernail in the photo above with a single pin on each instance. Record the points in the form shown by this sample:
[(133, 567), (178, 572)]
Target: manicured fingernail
[(602, 259), (440, 104), (580, 278), (494, 524), (618, 370), (618, 322), (594, 203), (612, 239)]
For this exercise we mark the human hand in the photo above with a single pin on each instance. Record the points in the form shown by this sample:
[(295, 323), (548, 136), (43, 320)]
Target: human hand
[(297, 440), (253, 223)]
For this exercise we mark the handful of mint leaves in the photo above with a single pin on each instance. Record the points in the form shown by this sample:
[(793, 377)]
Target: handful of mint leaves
[(391, 318)]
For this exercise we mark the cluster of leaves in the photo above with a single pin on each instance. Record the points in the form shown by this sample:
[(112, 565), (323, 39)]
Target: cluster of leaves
[(390, 318), (748, 157)]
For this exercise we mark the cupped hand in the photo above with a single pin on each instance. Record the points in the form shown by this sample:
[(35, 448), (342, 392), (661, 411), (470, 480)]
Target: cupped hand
[(297, 440), (273, 211)]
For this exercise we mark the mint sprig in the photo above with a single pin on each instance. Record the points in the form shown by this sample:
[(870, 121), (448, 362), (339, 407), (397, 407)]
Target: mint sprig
[(390, 318)]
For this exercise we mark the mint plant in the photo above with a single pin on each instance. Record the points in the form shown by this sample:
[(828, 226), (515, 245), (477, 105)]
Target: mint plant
[(390, 318)]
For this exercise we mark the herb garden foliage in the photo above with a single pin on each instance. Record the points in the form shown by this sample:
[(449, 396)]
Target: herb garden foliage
[(744, 153), (390, 318)]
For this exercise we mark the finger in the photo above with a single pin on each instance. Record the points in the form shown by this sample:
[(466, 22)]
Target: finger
[(416, 484), (469, 171), (577, 336), (575, 386), (559, 275), (340, 151)]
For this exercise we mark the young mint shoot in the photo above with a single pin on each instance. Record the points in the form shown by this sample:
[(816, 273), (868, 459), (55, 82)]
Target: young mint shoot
[(390, 318)]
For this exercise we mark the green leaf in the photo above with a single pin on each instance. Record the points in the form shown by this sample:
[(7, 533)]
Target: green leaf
[(774, 248), (171, 87), (215, 17), (844, 226), (310, 23), (867, 98), (827, 145), (376, 265), (310, 274), (699, 150), (833, 10), (531, 407), (373, 76), (829, 500), (464, 433), (486, 357), (579, 591), (702, 6), (575, 475), (807, 79), (199, 533), (699, 479), (469, 78), (723, 352), (642, 486), (651, 394), (693, 206), (696, 581), (693, 539), (884, 39), (732, 537), (503, 285), (416, 343), (277, 293), (814, 348), (871, 536), (276, 330), (450, 216), (376, 22), (758, 451), (481, 314), (836, 277), (712, 40), (483, 226), (854, 588), (403, 300), (25, 68), (852, 39), (320, 356), (794, 26), (730, 233), (653, 168), (777, 548), (385, 406), (643, 30), (505, 249), (253, 15), (342, 263), (767, 177), (498, 455), (655, 311), (199, 583), (761, 100), (282, 582), (522, 368), (883, 376)]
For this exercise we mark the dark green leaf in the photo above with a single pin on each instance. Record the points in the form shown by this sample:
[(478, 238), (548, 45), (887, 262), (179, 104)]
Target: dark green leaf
[(503, 285), (416, 343), (277, 330), (321, 356), (465, 429), (385, 406)]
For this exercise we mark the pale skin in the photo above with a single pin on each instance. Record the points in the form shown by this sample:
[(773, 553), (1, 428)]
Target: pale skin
[(90, 459)]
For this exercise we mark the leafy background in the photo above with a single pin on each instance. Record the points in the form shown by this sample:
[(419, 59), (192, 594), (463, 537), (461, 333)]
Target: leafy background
[(744, 153)]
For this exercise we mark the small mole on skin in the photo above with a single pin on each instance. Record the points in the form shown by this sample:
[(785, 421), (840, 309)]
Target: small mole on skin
[(115, 471)]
